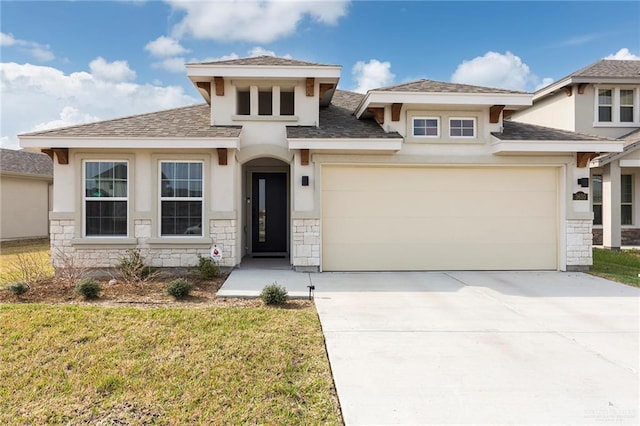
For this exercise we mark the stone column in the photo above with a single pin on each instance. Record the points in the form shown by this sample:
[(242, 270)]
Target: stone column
[(611, 216)]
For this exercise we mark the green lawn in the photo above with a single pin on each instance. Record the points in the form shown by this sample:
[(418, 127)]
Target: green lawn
[(80, 364), (620, 266)]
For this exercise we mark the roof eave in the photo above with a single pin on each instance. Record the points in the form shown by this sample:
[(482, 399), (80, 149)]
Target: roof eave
[(510, 100), (263, 71), (507, 146), (127, 142), (554, 87), (606, 159), (346, 144)]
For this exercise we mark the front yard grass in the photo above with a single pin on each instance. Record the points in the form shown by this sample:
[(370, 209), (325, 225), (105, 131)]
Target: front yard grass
[(85, 364), (620, 266), (26, 256)]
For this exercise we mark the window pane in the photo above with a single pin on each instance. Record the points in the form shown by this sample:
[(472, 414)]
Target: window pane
[(432, 131), (419, 131), (626, 189), (597, 214), (604, 96), (286, 103), (105, 179), (597, 189), (431, 123), (626, 114), (626, 97), (626, 212), (456, 132), (467, 132), (244, 102), (455, 123), (181, 218), (467, 123), (604, 113), (181, 179), (106, 218), (265, 103)]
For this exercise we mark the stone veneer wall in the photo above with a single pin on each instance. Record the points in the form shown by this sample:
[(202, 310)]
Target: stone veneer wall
[(222, 232), (306, 244), (579, 244), (630, 236)]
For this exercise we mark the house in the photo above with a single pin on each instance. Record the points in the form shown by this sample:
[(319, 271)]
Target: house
[(424, 175), (602, 99), (26, 180)]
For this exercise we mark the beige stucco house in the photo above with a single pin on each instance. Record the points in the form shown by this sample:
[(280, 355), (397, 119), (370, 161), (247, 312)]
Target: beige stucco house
[(26, 180), (602, 99), (424, 175)]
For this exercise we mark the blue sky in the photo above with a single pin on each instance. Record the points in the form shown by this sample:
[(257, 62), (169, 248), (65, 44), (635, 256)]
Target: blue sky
[(68, 62)]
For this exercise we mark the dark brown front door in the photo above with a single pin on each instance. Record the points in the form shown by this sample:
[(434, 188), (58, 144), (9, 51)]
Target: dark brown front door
[(269, 213)]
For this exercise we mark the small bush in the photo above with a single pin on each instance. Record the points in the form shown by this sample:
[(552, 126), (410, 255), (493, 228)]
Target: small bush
[(133, 269), (88, 288), (18, 288), (274, 294), (207, 268), (179, 288)]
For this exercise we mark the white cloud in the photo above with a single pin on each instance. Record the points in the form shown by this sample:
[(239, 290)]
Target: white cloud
[(164, 47), (506, 71), (371, 75), (623, 54), (41, 52), (261, 51), (544, 83), (252, 21), (34, 97), (171, 64), (115, 71)]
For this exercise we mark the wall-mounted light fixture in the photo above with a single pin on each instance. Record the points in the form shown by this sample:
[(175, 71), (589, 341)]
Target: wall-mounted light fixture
[(583, 182), (305, 180)]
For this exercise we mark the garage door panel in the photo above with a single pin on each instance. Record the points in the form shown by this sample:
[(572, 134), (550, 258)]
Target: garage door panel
[(439, 218)]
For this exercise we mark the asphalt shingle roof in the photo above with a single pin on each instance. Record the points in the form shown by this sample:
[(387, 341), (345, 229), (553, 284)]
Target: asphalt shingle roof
[(265, 61), (441, 87), (25, 162), (512, 130), (610, 68), (185, 122), (337, 121)]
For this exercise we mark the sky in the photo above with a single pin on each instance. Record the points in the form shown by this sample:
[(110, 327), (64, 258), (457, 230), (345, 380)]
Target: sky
[(69, 62)]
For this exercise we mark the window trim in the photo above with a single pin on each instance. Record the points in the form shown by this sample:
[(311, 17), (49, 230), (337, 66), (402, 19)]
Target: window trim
[(615, 106), (475, 127), (127, 199), (161, 199), (438, 127)]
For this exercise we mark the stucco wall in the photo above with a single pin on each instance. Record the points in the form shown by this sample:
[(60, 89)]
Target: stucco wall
[(25, 207), (557, 111)]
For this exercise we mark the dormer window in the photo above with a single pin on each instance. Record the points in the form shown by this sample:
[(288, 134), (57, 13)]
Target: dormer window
[(265, 103)]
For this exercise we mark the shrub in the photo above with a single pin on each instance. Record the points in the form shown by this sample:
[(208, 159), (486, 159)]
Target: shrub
[(88, 288), (208, 268), (29, 268), (133, 269), (18, 288), (179, 288), (274, 294)]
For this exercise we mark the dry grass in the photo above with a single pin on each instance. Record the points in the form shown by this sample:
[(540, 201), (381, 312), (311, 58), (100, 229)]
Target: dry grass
[(25, 261), (84, 364)]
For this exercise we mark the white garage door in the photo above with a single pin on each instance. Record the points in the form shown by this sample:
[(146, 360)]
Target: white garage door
[(439, 218)]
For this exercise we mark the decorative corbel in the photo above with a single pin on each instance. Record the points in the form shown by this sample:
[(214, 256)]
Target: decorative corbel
[(583, 158), (568, 90), (378, 114), (222, 156), (206, 86), (61, 153), (325, 87), (311, 84), (581, 88), (304, 157), (494, 113), (395, 112), (219, 82)]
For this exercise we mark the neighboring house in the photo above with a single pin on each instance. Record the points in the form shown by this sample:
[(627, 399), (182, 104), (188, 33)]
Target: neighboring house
[(602, 99), (26, 180), (278, 162)]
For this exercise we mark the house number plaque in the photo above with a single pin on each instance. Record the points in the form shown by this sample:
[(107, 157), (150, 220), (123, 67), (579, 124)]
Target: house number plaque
[(581, 196)]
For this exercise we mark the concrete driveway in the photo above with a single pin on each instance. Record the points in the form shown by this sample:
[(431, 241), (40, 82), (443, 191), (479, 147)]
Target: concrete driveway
[(481, 347)]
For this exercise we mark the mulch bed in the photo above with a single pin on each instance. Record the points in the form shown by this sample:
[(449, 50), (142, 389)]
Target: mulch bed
[(145, 295)]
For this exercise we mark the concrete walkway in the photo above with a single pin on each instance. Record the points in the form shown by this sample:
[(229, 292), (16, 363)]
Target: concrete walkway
[(481, 347), (249, 279)]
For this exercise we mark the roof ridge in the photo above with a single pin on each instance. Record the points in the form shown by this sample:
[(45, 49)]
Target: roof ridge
[(74, 126), (449, 83)]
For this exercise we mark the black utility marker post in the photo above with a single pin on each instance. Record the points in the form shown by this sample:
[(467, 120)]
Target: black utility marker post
[(311, 288)]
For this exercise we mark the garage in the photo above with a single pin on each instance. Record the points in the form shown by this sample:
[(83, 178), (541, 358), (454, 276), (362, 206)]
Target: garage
[(386, 218)]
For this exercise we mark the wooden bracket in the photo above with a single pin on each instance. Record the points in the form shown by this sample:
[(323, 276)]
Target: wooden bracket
[(395, 112), (304, 157), (378, 114), (325, 87), (206, 86), (568, 90), (494, 113), (583, 158), (581, 88), (219, 81), (61, 153), (311, 84), (222, 156)]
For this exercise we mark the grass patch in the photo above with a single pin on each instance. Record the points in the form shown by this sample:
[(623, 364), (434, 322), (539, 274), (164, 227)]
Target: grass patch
[(14, 254), (80, 364), (620, 266)]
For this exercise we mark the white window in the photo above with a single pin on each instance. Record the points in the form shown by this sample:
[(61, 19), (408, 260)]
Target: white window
[(462, 127), (626, 105), (181, 198), (426, 127), (106, 199), (605, 105), (626, 199)]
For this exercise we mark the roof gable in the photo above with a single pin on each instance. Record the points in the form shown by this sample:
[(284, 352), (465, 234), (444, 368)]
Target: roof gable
[(264, 61)]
